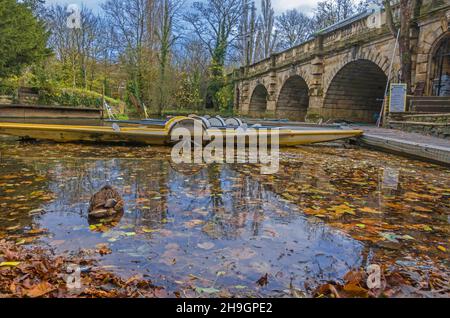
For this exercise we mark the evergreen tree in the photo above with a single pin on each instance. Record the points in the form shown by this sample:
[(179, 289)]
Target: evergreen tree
[(23, 38)]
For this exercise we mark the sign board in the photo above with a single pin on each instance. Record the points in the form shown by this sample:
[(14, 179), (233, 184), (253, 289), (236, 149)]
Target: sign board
[(397, 100)]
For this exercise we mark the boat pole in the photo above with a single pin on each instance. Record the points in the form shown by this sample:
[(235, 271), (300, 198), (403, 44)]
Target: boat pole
[(380, 119), (145, 111)]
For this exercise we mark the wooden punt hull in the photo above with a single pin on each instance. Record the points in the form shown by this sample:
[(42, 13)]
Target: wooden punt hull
[(151, 135), (99, 134)]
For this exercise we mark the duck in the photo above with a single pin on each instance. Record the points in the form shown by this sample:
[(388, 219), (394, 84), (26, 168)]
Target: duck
[(106, 203)]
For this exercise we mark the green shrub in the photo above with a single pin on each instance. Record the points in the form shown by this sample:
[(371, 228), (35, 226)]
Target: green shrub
[(76, 98), (224, 98), (9, 86)]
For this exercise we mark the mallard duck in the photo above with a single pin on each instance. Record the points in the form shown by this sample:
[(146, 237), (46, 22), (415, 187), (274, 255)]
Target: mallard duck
[(106, 203)]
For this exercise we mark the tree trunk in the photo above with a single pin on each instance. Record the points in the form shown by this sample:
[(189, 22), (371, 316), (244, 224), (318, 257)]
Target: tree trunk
[(405, 43), (407, 9)]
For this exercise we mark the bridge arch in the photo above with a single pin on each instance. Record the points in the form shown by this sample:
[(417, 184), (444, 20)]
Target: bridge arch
[(258, 101), (365, 54), (356, 92), (293, 99), (439, 62)]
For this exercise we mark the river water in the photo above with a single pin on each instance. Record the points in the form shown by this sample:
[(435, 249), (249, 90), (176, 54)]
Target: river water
[(218, 229)]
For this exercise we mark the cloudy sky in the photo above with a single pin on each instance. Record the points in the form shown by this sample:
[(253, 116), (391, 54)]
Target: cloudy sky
[(279, 5)]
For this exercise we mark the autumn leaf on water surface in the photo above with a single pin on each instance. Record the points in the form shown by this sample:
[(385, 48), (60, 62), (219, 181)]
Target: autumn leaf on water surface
[(413, 196), (149, 230), (370, 210), (39, 290), (193, 223), (103, 249), (320, 213), (263, 281), (342, 209), (9, 264), (201, 290), (289, 196), (422, 209), (354, 290), (37, 231), (13, 228)]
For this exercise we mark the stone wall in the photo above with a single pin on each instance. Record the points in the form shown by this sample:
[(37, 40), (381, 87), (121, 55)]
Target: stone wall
[(437, 125)]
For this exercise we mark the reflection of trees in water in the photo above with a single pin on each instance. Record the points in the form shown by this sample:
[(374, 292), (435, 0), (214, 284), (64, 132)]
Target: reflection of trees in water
[(250, 199), (151, 181), (234, 201), (292, 176), (223, 194), (238, 205), (75, 182), (214, 178)]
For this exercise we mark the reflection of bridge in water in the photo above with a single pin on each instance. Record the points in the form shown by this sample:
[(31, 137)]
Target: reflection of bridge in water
[(342, 72)]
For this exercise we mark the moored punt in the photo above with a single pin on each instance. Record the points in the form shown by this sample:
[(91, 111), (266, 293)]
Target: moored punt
[(159, 135), (67, 133)]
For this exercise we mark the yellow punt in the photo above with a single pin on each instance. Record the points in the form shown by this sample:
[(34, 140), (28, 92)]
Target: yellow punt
[(153, 135)]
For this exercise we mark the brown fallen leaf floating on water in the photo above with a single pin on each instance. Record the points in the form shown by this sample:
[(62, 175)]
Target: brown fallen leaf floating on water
[(35, 273), (393, 284), (103, 249), (263, 281)]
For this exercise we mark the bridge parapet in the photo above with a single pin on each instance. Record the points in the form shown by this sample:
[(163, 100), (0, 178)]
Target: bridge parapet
[(343, 69), (324, 40), (346, 33)]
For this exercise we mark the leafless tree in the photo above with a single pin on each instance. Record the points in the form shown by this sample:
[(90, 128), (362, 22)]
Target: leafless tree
[(77, 47), (293, 27), (129, 25), (329, 12), (267, 29), (168, 14), (215, 23), (248, 31)]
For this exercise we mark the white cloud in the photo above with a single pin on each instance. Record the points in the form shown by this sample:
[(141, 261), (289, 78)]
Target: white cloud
[(306, 6), (93, 4)]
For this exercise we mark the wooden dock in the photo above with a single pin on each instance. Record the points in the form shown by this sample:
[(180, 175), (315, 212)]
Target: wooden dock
[(414, 145)]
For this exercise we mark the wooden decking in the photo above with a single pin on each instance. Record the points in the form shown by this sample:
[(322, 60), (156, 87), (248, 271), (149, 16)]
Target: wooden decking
[(409, 144)]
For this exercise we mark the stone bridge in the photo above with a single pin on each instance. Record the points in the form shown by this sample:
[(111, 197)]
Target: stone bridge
[(342, 72)]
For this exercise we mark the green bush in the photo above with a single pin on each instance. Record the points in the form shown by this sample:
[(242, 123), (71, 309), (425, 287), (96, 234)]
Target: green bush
[(75, 97), (7, 90), (224, 98), (9, 86)]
